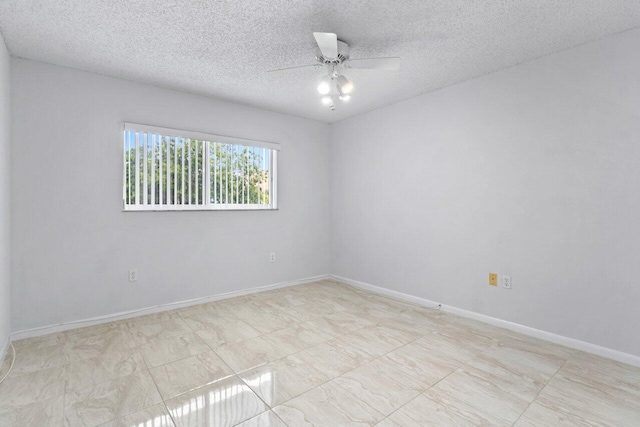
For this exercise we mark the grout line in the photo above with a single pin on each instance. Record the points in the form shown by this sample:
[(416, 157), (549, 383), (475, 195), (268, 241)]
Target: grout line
[(257, 395), (410, 374), (153, 380), (431, 386), (64, 401), (541, 389), (422, 393), (173, 420), (279, 418), (397, 409)]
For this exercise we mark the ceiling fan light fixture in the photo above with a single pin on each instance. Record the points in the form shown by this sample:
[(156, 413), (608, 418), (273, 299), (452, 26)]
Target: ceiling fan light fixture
[(344, 85), (324, 87), (335, 55)]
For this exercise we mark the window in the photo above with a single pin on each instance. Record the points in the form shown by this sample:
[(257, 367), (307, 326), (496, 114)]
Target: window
[(168, 169)]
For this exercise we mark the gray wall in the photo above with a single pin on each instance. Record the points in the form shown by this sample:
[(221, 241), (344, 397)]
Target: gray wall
[(73, 245), (5, 163), (532, 171)]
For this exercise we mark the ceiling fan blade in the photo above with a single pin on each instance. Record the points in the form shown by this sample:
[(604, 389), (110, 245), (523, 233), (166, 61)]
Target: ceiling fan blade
[(294, 68), (328, 44), (391, 63)]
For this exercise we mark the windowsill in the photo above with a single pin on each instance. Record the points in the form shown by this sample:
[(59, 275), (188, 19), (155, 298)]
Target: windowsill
[(197, 209)]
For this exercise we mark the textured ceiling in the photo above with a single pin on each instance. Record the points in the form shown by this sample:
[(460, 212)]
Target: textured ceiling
[(224, 48)]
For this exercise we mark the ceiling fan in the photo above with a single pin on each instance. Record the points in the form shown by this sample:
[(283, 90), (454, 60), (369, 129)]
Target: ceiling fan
[(335, 55)]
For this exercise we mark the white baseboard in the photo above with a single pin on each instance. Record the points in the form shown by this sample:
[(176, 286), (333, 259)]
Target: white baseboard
[(616, 355), (44, 330)]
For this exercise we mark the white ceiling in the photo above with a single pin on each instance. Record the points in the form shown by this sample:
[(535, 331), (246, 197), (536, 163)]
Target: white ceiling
[(224, 48)]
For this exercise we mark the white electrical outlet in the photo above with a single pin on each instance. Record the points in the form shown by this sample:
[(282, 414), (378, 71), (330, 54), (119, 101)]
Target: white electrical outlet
[(133, 275), (272, 257), (506, 282)]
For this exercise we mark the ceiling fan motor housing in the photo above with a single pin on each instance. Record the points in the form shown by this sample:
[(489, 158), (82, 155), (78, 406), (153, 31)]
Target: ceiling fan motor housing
[(343, 55)]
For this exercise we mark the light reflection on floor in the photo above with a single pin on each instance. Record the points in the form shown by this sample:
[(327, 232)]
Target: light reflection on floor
[(219, 403)]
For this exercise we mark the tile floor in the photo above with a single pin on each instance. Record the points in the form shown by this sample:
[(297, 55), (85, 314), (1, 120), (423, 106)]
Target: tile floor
[(321, 354)]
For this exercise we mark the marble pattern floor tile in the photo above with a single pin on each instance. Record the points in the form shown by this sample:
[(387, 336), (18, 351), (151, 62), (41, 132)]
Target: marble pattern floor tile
[(521, 374), (149, 332), (537, 346), (108, 401), (374, 341), (339, 323), (91, 330), (306, 312), (217, 332), (28, 344), (421, 322), (595, 402), (416, 327), (491, 399), (21, 390), (110, 366), (154, 416), (225, 403), (187, 374), (337, 302), (375, 314), (168, 350), (381, 385), (298, 337), (332, 359), (285, 300), (328, 406), (6, 364), (266, 419), (270, 320), (476, 328), (198, 309), (240, 308), (44, 413), (458, 346), (537, 415), (318, 354), (94, 343), (596, 371), (417, 361), (422, 411), (250, 353), (278, 381), (35, 358)]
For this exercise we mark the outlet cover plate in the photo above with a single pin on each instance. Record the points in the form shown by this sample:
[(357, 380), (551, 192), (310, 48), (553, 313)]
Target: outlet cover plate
[(506, 282)]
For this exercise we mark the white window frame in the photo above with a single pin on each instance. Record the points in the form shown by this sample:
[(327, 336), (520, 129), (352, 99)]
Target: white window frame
[(208, 138)]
